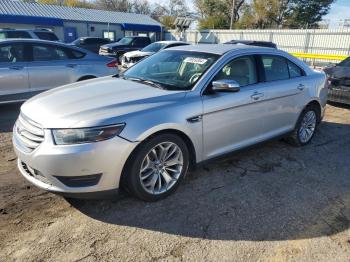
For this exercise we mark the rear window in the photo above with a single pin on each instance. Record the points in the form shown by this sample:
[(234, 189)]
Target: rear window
[(14, 34), (46, 36), (345, 63)]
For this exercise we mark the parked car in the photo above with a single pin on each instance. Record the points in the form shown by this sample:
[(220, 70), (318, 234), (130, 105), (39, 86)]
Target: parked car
[(131, 58), (28, 33), (339, 78), (253, 42), (176, 108), (29, 66), (126, 44), (90, 43)]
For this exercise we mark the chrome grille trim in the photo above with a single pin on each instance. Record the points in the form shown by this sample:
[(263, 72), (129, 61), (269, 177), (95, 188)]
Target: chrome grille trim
[(28, 133)]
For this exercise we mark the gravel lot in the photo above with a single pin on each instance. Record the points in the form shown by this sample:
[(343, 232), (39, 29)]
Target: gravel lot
[(271, 203)]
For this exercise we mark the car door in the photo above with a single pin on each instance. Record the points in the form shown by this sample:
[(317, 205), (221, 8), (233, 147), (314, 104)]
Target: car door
[(50, 67), (231, 120), (282, 94), (13, 69)]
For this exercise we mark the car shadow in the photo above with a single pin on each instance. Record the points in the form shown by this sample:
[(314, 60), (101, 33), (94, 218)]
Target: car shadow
[(8, 116), (271, 192)]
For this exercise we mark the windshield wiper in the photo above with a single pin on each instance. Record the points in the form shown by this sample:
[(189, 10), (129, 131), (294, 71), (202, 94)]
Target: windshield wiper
[(153, 84), (144, 81)]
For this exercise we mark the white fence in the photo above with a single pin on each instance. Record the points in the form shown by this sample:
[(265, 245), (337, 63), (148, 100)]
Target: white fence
[(315, 41)]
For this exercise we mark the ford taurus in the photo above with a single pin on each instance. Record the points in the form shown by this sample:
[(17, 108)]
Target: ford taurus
[(183, 105)]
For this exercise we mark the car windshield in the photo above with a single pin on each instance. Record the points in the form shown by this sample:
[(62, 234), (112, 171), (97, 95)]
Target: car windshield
[(125, 40), (154, 47), (171, 69)]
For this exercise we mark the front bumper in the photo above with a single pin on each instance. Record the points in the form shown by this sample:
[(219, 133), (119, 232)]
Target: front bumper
[(48, 164)]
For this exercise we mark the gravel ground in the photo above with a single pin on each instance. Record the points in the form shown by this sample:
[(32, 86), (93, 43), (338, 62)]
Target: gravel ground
[(270, 203)]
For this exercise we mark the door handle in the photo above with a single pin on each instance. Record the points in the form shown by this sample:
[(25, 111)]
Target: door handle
[(16, 67), (301, 87), (71, 65), (257, 96)]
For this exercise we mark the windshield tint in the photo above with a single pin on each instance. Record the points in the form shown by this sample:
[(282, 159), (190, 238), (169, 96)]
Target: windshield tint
[(172, 69), (125, 40), (154, 47)]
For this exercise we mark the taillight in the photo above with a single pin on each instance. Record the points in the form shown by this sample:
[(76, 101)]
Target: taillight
[(113, 63)]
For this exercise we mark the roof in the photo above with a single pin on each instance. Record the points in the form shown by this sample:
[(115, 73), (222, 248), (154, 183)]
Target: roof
[(19, 8), (218, 49), (168, 42)]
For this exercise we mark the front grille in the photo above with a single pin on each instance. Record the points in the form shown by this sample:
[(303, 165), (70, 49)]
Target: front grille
[(28, 133)]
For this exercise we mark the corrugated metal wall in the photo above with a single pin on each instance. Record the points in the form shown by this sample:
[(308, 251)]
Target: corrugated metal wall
[(317, 41)]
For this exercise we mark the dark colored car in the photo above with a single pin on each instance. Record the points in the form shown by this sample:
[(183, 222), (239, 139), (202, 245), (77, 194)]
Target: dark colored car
[(126, 44), (91, 43), (252, 42), (339, 78)]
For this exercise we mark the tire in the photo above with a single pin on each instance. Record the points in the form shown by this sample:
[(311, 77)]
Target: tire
[(312, 113), (145, 168)]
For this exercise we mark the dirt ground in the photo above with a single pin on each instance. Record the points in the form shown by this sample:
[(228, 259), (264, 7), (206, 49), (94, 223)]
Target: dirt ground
[(271, 203)]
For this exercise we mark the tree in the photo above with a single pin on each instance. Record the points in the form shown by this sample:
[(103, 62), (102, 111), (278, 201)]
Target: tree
[(114, 5), (307, 13), (284, 13), (177, 7), (141, 7), (218, 12)]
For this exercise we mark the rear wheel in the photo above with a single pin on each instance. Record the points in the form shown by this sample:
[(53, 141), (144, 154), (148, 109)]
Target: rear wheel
[(157, 167), (305, 127)]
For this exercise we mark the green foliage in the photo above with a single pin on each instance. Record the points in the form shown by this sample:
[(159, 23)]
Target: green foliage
[(263, 13), (214, 22), (307, 13)]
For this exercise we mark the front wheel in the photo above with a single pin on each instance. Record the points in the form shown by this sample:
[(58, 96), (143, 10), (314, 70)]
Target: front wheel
[(157, 167), (305, 127)]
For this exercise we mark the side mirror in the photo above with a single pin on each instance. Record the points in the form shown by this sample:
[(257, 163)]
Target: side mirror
[(225, 85)]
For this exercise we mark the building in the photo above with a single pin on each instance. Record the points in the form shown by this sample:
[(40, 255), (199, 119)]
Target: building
[(70, 23)]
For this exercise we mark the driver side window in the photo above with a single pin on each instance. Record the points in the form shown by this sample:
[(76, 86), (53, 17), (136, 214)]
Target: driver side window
[(241, 69)]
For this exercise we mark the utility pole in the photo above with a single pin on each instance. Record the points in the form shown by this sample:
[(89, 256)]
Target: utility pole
[(232, 13)]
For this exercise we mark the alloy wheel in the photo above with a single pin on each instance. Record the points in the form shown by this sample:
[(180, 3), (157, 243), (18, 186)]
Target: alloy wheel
[(161, 168), (307, 127)]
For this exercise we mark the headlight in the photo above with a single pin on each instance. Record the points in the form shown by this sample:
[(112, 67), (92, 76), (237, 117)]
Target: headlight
[(85, 135)]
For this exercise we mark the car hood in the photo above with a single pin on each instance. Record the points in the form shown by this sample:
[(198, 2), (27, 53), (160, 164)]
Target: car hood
[(138, 54), (96, 102)]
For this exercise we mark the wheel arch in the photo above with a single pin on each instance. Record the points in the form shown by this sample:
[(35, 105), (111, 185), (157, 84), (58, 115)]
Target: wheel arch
[(317, 105), (181, 134)]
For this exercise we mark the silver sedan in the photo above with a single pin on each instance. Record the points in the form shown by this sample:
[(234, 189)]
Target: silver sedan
[(28, 67), (177, 108)]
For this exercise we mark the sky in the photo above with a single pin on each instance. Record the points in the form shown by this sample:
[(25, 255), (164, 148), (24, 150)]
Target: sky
[(339, 10)]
